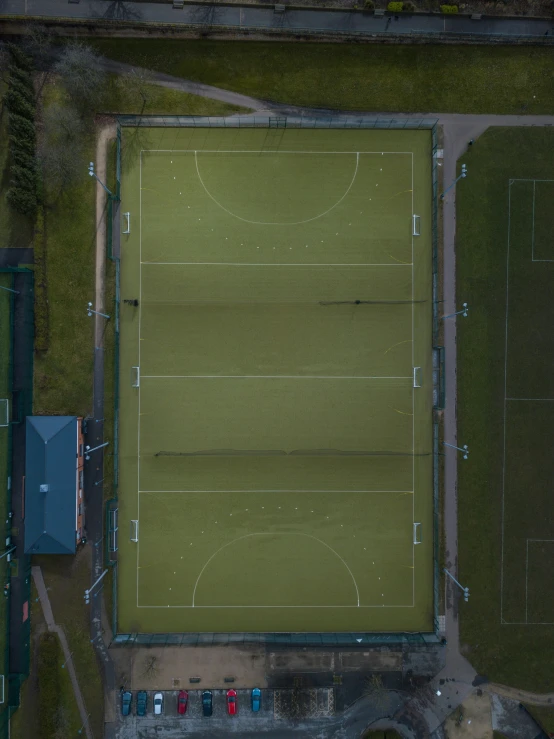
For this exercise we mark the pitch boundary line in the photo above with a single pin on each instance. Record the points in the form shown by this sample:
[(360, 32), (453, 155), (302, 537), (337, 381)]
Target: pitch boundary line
[(269, 151), (255, 490), (413, 396), (278, 223), (139, 333), (541, 399), (272, 377), (282, 264), (196, 607)]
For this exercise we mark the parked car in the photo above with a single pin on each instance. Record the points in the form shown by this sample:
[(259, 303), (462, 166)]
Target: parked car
[(256, 700), (126, 700), (182, 700), (158, 704), (142, 702), (207, 708), (231, 702)]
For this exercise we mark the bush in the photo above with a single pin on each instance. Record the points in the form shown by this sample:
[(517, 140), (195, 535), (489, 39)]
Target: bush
[(395, 7), (21, 128), (26, 91), (449, 9), (16, 103), (23, 75), (21, 158), (22, 200), (409, 7), (22, 145), (19, 57), (24, 178), (369, 4), (42, 333)]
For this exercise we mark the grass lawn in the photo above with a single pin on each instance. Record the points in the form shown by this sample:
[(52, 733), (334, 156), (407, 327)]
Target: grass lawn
[(461, 79), (512, 651)]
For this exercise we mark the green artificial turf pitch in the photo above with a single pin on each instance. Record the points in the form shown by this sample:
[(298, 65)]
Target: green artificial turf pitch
[(276, 452)]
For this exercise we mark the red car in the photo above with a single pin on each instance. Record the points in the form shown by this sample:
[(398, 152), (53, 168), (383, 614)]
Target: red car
[(231, 702), (182, 701)]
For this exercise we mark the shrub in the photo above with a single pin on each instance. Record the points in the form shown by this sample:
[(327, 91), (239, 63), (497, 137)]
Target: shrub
[(26, 91), (23, 75), (21, 127), (449, 9), (16, 103), (22, 158), (19, 57), (395, 7), (24, 178), (42, 333), (25, 146), (409, 7), (369, 4), (22, 200)]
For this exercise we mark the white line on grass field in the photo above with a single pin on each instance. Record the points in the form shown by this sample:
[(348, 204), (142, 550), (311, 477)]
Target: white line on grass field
[(247, 536), (270, 377), (278, 223), (413, 399), (139, 333), (268, 151), (280, 264), (334, 492), (505, 396), (541, 399), (385, 605)]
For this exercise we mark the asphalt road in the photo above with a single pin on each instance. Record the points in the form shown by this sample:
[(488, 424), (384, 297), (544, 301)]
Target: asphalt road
[(252, 17)]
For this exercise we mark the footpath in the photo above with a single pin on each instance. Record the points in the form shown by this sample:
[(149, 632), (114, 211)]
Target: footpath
[(258, 18)]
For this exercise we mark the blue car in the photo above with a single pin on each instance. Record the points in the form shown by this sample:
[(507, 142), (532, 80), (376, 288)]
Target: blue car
[(126, 700), (256, 699)]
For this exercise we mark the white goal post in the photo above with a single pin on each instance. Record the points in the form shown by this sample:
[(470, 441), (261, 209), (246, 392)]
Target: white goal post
[(2, 695), (417, 376), (135, 376), (415, 225), (4, 412), (127, 229), (416, 528), (134, 530)]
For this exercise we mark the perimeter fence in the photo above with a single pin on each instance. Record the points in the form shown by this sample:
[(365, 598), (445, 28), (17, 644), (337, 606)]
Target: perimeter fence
[(16, 381), (333, 121)]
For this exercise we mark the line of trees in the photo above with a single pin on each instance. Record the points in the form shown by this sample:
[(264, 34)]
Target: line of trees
[(25, 181)]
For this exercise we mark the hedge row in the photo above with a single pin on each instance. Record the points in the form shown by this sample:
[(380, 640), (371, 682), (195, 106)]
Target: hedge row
[(19, 99), (42, 333), (48, 685)]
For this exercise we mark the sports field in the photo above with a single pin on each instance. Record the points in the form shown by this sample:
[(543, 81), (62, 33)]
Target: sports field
[(275, 381), (505, 269)]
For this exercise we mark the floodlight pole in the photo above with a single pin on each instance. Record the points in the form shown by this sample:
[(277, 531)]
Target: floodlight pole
[(89, 591), (88, 450), (464, 590), (463, 174), (9, 289), (95, 312), (462, 312), (83, 726), (93, 174), (464, 449)]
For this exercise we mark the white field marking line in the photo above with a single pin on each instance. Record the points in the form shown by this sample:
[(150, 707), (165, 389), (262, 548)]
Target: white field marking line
[(247, 536), (139, 333), (526, 577), (546, 399), (274, 151), (277, 223), (549, 541), (305, 607), (533, 225), (528, 623), (520, 179), (505, 404), (270, 377), (413, 399), (280, 264), (254, 490)]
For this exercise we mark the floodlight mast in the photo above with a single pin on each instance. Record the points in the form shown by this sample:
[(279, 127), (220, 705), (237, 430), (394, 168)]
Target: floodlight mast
[(460, 176)]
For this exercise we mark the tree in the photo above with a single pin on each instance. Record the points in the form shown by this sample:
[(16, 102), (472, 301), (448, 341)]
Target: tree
[(150, 667), (38, 43), (82, 75), (136, 83), (61, 152)]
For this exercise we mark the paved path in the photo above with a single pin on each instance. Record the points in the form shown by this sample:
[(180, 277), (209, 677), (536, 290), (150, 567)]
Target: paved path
[(311, 20), (523, 696), (68, 660)]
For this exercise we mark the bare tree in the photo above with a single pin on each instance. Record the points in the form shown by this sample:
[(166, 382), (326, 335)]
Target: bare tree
[(376, 691), (150, 666), (38, 43), (61, 150), (82, 75), (137, 82)]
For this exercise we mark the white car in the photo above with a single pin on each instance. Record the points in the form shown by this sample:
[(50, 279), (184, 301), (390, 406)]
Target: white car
[(158, 704)]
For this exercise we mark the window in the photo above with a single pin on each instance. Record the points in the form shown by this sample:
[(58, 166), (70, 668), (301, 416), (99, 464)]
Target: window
[(79, 535), (80, 480), (80, 509), (81, 449)]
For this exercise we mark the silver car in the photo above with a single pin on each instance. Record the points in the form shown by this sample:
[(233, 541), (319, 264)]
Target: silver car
[(158, 704)]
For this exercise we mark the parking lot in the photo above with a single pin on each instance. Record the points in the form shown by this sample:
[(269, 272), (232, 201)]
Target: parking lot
[(194, 707)]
